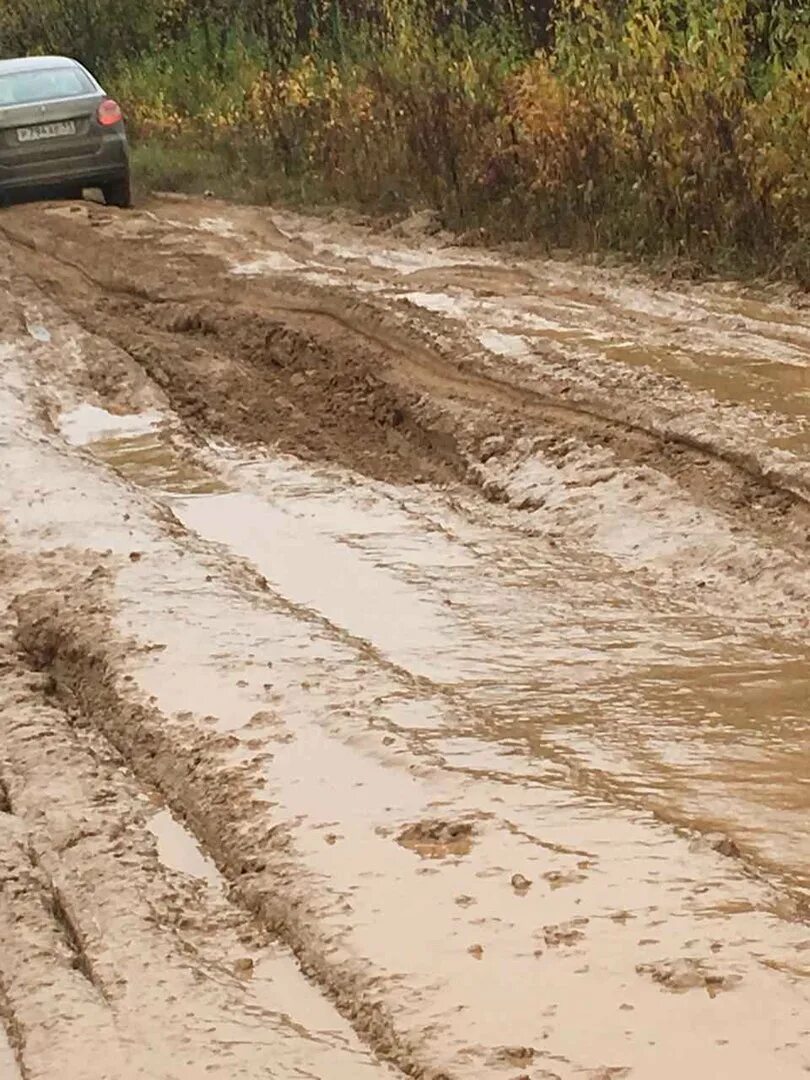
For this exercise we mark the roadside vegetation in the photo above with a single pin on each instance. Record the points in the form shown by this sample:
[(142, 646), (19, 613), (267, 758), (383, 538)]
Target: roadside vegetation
[(674, 128)]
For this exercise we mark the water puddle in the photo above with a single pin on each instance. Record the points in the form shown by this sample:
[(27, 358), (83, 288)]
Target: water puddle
[(271, 261), (566, 660), (38, 332), (440, 302), (140, 447), (480, 877), (504, 344), (317, 569), (756, 379), (409, 261), (760, 363), (90, 423), (154, 462), (178, 850), (9, 1069)]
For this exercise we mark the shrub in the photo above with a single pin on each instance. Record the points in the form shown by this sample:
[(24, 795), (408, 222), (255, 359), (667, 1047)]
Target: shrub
[(655, 127)]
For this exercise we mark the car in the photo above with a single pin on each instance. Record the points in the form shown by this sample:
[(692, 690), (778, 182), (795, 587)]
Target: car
[(60, 132)]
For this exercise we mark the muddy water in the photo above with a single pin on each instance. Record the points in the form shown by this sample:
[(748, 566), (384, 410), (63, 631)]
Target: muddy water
[(9, 1070), (177, 849), (557, 651), (554, 652), (759, 360), (742, 348), (610, 894), (139, 446), (469, 730)]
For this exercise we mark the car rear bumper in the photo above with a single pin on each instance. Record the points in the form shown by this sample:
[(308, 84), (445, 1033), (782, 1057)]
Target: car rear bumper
[(108, 161)]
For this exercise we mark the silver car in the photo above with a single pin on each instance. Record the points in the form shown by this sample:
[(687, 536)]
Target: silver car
[(59, 132)]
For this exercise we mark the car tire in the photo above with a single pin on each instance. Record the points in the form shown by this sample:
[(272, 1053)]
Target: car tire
[(118, 192)]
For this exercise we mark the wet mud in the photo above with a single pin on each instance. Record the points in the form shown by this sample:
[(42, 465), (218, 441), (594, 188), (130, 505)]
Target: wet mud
[(404, 657)]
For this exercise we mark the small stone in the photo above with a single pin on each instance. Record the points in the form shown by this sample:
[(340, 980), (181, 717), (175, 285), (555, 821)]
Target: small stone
[(135, 556), (726, 846), (476, 951), (520, 883), (516, 1055)]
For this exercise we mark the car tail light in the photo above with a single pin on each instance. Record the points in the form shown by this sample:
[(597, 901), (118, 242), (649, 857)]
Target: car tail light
[(109, 113)]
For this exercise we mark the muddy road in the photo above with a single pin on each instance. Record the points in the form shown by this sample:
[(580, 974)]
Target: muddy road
[(404, 658)]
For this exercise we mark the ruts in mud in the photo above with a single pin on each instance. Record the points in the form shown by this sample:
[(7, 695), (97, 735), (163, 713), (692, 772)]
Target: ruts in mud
[(404, 656)]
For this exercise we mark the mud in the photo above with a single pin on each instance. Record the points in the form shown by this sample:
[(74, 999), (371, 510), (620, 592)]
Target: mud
[(404, 655)]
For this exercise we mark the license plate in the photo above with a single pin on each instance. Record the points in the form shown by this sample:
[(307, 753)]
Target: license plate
[(46, 131)]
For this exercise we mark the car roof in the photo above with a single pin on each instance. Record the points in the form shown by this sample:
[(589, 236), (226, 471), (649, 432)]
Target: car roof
[(32, 63)]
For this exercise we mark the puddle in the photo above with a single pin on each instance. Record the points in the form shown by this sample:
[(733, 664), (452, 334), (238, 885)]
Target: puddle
[(553, 678), (643, 689), (440, 302), (38, 332), (152, 461), (638, 686), (504, 344), (412, 261), (219, 226), (178, 850), (313, 567), (758, 363), (9, 1069), (140, 447), (89, 423), (270, 261), (346, 797)]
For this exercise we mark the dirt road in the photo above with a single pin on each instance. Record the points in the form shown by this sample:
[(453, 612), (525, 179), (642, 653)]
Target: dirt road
[(404, 657)]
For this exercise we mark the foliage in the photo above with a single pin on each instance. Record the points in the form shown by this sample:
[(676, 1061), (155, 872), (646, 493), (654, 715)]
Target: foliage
[(674, 127)]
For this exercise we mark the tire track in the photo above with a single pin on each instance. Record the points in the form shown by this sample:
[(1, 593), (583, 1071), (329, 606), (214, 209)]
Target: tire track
[(101, 945), (394, 394)]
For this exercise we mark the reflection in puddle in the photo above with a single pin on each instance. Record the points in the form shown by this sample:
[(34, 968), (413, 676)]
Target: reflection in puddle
[(153, 462), (316, 569), (178, 849), (270, 261), (504, 344), (139, 447), (9, 1070), (89, 423), (568, 668), (38, 332)]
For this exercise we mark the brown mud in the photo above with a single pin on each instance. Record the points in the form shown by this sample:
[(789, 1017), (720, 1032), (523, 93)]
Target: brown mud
[(404, 658)]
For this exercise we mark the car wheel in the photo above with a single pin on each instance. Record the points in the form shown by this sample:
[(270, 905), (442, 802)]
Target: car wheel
[(118, 192)]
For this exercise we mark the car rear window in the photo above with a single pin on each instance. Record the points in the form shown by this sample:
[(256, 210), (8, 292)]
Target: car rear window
[(43, 84)]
